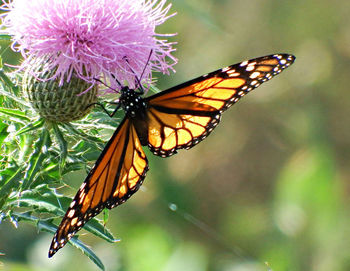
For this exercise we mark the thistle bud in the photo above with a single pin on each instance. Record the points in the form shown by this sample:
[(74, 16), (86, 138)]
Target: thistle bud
[(58, 102)]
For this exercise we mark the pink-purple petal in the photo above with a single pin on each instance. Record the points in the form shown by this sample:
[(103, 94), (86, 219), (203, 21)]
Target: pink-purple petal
[(92, 38)]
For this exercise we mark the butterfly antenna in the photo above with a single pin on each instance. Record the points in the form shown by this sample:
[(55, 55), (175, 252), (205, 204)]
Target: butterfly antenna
[(138, 80), (115, 78), (148, 60), (103, 83)]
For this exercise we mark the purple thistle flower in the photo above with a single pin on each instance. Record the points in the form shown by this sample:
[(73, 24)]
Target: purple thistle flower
[(91, 39)]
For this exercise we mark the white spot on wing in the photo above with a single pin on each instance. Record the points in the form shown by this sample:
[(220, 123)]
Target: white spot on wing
[(250, 68), (82, 186), (72, 204), (254, 75), (231, 71), (244, 63), (283, 61), (71, 213)]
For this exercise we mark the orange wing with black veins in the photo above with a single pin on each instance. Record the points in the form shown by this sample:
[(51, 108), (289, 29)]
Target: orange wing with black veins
[(118, 173), (182, 116)]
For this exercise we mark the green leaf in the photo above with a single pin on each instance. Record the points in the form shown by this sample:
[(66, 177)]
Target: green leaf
[(41, 199), (81, 134), (63, 145), (32, 126), (105, 216), (45, 199), (87, 251), (3, 132), (9, 84), (9, 95), (36, 159), (47, 226), (86, 151), (25, 146), (97, 228), (51, 169), (15, 113), (71, 167), (15, 177)]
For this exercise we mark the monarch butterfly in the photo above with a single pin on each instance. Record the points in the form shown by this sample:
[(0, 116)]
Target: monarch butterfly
[(177, 118)]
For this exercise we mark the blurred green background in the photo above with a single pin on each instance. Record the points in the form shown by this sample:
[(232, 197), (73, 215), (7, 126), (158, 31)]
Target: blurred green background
[(271, 184)]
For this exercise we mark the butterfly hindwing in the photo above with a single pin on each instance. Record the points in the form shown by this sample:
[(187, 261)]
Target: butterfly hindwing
[(182, 116), (169, 132), (117, 175)]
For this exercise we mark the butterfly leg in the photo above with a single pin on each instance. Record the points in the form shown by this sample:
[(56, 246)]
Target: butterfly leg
[(104, 109)]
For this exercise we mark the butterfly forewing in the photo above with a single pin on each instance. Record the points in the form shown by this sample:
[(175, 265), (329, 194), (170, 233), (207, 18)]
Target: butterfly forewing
[(118, 174), (182, 116)]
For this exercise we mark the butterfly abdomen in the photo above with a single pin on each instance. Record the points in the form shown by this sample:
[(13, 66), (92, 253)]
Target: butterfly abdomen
[(141, 127)]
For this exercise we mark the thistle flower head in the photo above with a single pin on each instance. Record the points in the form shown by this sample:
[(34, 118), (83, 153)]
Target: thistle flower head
[(91, 39)]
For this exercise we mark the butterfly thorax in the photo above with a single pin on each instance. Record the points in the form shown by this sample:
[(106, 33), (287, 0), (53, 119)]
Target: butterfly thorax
[(135, 107), (132, 103)]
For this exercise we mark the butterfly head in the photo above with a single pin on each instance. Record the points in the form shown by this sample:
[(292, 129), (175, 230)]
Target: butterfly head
[(132, 102)]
